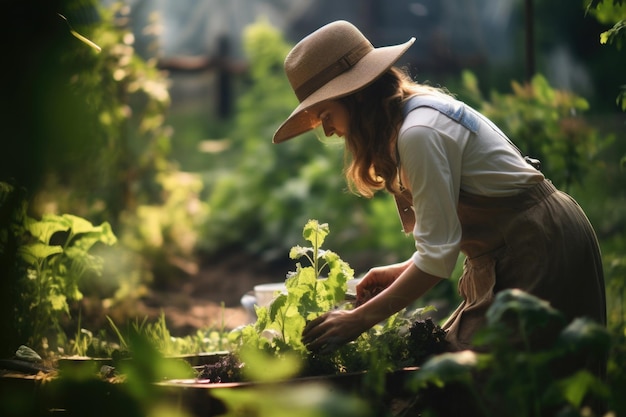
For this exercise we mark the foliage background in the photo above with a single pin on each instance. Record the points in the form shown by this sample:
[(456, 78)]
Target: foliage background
[(96, 135)]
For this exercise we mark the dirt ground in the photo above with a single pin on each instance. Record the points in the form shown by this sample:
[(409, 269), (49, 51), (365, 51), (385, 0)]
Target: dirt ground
[(210, 298)]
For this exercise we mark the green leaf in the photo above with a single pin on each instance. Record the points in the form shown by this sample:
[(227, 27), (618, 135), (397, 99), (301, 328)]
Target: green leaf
[(263, 317), (27, 354), (293, 328), (604, 37), (107, 235), (297, 252), (339, 274), (315, 233), (46, 227), (78, 224), (277, 306), (446, 367), (329, 256), (34, 253), (80, 37), (58, 302), (512, 303), (577, 386), (258, 364), (585, 334)]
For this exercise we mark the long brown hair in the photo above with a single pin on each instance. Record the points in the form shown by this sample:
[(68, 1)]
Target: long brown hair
[(375, 118)]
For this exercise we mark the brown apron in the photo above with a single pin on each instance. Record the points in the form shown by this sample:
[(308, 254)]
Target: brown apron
[(539, 241)]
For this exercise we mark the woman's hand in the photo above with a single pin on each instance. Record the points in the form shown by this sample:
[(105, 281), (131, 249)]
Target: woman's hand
[(338, 327), (403, 284), (377, 279), (332, 329)]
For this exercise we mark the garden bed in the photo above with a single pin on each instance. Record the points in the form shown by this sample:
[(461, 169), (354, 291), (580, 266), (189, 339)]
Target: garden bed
[(49, 394), (267, 355)]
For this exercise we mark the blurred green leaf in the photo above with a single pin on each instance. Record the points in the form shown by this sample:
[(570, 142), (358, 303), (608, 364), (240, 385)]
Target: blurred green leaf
[(577, 387), (34, 253), (446, 367), (514, 302), (46, 227), (584, 333), (264, 367), (302, 400)]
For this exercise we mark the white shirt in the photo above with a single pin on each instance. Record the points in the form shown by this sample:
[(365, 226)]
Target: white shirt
[(438, 158)]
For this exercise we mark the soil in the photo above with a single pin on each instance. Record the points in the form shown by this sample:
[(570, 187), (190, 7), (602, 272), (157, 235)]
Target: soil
[(208, 298)]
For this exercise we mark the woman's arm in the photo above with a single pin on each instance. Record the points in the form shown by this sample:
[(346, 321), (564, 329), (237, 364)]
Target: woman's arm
[(408, 287), (341, 326)]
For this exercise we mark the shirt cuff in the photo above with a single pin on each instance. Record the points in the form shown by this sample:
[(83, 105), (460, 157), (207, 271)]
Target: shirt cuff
[(437, 260)]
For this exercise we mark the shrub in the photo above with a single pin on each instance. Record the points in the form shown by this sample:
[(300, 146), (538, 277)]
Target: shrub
[(546, 124)]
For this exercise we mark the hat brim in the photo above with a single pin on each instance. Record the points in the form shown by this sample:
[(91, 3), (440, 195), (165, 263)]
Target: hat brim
[(366, 71)]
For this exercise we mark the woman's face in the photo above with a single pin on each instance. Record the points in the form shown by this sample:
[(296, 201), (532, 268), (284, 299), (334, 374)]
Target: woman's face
[(334, 117)]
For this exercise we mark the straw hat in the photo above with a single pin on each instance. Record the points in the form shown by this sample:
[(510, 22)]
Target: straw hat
[(332, 62)]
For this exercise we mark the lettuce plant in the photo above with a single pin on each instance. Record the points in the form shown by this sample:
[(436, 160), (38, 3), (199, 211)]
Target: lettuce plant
[(400, 341), (311, 290), (55, 256)]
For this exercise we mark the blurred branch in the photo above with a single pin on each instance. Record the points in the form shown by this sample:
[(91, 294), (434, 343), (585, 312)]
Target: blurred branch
[(595, 3), (202, 63)]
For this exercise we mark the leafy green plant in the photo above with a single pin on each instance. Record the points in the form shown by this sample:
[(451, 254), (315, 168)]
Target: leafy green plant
[(546, 124), (311, 290), (115, 343), (158, 335), (165, 233), (612, 13), (308, 295), (405, 339), (56, 257), (102, 114), (87, 344), (537, 364)]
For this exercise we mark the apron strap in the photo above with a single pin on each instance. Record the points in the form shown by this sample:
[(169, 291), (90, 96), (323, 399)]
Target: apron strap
[(458, 112)]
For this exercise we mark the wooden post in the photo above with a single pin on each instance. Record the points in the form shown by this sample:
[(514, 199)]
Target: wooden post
[(224, 78), (529, 39)]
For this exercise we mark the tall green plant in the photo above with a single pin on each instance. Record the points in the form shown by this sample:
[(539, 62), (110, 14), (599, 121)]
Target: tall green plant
[(279, 326), (120, 142), (89, 126), (165, 233), (53, 258), (121, 146), (401, 340)]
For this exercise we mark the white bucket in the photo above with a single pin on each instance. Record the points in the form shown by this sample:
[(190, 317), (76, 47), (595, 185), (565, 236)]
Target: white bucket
[(265, 293), (261, 296)]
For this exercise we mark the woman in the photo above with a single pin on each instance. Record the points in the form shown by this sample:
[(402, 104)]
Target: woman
[(460, 185)]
